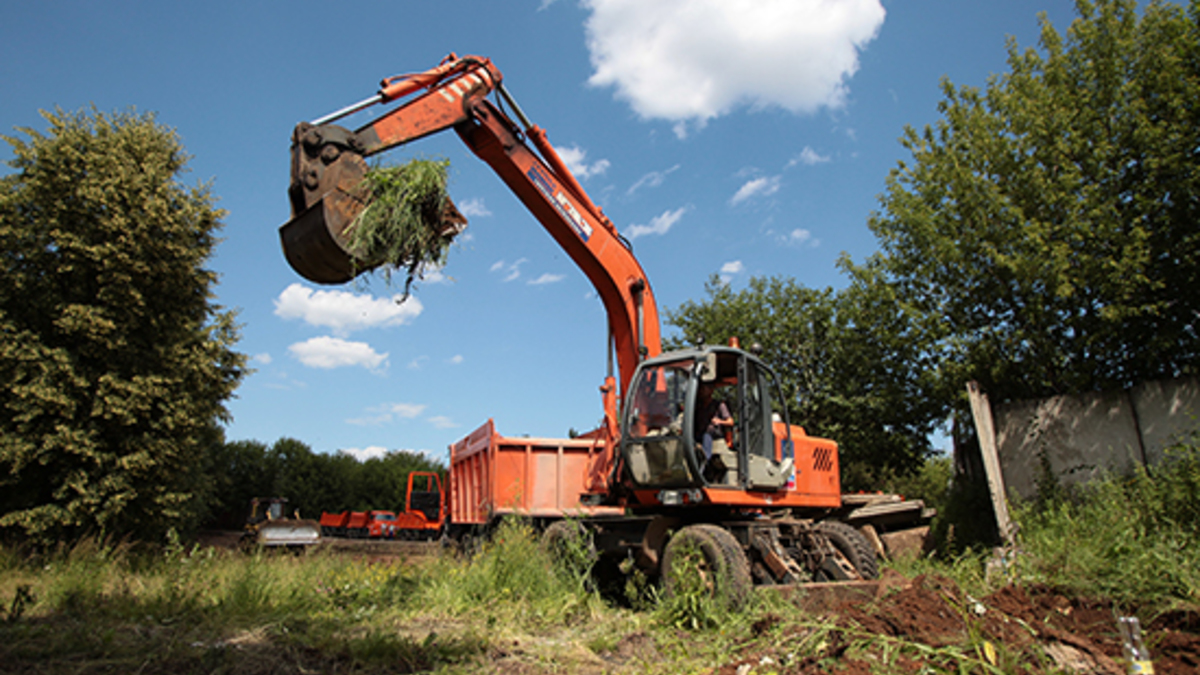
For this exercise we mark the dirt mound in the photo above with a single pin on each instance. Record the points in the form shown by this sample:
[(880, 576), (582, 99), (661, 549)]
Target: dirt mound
[(931, 622)]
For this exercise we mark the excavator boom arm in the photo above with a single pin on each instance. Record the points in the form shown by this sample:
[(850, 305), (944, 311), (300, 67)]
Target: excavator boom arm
[(328, 166)]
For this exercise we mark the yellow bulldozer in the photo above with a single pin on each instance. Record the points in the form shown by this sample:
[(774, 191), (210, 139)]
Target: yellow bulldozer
[(268, 525)]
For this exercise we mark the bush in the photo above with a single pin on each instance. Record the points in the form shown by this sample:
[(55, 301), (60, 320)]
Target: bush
[(1132, 538)]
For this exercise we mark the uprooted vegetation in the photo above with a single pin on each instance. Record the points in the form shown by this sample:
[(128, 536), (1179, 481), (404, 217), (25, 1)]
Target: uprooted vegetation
[(409, 220), (1081, 561)]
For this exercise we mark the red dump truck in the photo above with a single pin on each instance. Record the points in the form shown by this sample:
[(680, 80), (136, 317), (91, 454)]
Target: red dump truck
[(423, 516), (359, 524)]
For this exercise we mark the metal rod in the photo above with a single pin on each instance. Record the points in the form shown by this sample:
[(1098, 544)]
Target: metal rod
[(348, 110), (638, 287), (609, 346), (516, 108)]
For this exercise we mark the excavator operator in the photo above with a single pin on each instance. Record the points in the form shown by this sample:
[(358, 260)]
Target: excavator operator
[(714, 419)]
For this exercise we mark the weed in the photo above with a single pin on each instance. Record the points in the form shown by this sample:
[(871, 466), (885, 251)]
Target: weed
[(403, 223), (1130, 538), (23, 598), (694, 600)]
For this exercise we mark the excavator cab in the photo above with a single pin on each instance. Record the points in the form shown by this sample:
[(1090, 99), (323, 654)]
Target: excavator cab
[(711, 417)]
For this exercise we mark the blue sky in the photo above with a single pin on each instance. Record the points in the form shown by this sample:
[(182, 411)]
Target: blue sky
[(732, 137)]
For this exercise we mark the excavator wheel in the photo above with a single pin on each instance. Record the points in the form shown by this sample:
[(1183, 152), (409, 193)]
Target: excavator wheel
[(850, 543), (706, 559), (741, 581)]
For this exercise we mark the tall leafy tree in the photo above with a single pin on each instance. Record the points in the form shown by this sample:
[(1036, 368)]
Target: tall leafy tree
[(1046, 227), (116, 362)]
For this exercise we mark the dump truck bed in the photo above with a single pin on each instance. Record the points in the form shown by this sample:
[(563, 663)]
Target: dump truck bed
[(493, 475)]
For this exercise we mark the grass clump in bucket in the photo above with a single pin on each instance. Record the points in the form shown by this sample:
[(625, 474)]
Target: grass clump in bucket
[(409, 220)]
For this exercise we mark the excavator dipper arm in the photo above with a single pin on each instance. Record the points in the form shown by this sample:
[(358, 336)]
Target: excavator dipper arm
[(328, 166)]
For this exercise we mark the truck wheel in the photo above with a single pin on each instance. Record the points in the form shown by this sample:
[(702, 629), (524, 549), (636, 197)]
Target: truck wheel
[(853, 545), (570, 546), (706, 559)]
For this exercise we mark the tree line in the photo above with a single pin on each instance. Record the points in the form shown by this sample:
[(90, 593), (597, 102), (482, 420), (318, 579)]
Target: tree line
[(311, 482), (1042, 239)]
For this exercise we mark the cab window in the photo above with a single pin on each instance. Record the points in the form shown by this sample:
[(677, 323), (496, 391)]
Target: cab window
[(654, 445)]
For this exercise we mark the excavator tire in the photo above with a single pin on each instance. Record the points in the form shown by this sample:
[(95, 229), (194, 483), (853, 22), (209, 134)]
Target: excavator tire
[(741, 581), (852, 544), (719, 561)]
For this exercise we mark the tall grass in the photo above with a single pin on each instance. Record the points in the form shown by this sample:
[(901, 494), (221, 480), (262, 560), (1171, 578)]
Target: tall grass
[(359, 613), (1132, 538), (512, 580), (102, 606)]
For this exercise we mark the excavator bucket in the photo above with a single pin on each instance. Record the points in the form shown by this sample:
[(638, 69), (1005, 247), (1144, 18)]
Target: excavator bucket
[(326, 195), (314, 242)]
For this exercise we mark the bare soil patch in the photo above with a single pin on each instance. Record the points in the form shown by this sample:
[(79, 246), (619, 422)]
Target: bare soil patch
[(1032, 629)]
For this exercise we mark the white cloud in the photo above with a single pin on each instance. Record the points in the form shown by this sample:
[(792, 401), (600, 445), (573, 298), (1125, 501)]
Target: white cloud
[(801, 237), (330, 352), (547, 278), (680, 129), (693, 60), (511, 272), (757, 187), (660, 224), (406, 410), (474, 208), (442, 422), (370, 420), (576, 160), (263, 358), (729, 269), (363, 454), (652, 179), (344, 312), (456, 359), (807, 157), (388, 412)]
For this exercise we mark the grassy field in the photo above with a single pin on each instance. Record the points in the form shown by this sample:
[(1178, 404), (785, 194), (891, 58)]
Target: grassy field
[(101, 607)]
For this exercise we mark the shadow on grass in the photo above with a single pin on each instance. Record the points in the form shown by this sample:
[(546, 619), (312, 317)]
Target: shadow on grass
[(62, 643)]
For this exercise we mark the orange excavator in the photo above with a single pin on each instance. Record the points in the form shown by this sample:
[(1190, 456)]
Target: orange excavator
[(695, 449)]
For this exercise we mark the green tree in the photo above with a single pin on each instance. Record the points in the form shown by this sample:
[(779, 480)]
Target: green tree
[(302, 476), (1046, 227), (240, 471), (383, 481), (115, 360), (849, 365)]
